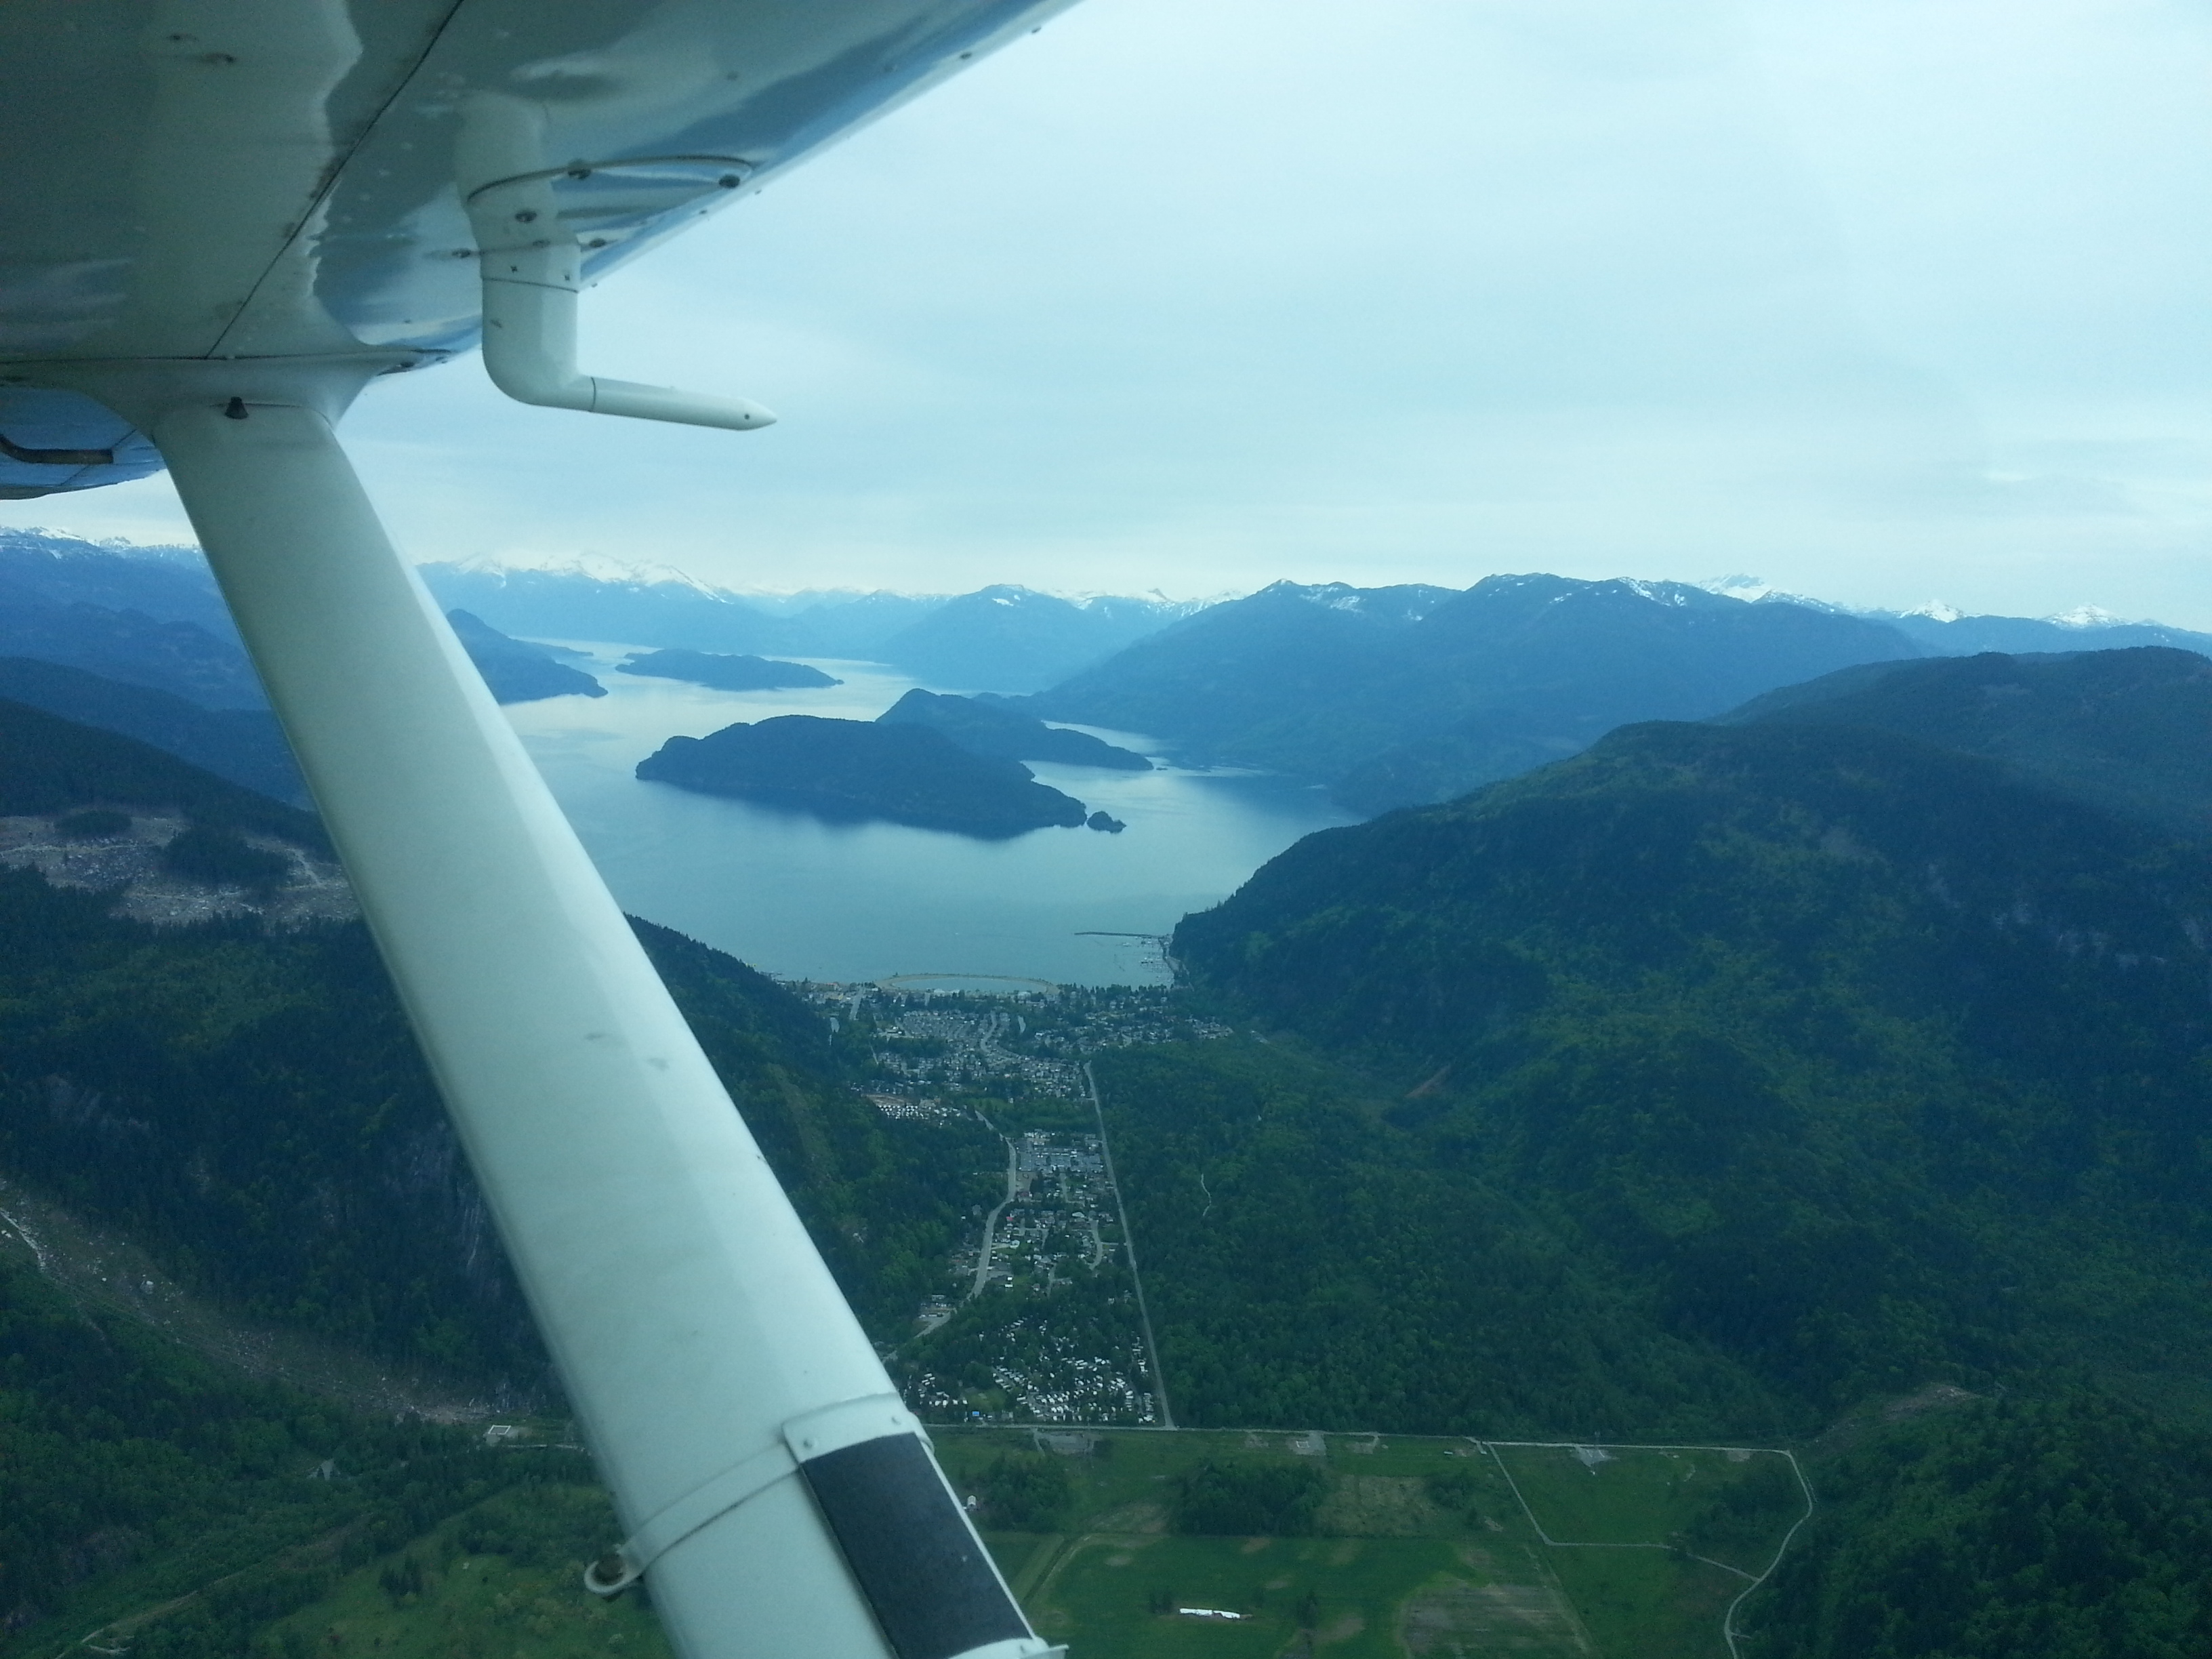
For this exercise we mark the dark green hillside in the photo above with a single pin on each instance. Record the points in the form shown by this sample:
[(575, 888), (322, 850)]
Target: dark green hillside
[(1846, 1057), (245, 745), (1306, 1261), (2129, 731), (48, 764), (2066, 1525), (250, 1107), (135, 1473)]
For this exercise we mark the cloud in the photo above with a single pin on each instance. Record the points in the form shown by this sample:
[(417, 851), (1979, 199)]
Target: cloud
[(1884, 299)]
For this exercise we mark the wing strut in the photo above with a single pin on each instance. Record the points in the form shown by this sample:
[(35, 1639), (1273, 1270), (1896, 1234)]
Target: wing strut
[(786, 1504)]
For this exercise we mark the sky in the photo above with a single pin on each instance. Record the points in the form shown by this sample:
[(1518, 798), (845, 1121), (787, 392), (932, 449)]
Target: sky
[(1884, 301)]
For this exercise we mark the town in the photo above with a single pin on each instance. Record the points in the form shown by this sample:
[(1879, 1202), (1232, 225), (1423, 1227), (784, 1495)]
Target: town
[(1038, 1321)]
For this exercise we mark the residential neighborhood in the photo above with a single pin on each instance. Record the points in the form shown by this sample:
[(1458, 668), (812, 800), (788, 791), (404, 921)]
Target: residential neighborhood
[(1038, 1319)]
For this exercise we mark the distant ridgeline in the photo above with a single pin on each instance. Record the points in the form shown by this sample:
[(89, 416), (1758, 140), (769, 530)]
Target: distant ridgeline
[(1399, 697), (145, 616), (1392, 696), (855, 770), (999, 639), (2130, 731)]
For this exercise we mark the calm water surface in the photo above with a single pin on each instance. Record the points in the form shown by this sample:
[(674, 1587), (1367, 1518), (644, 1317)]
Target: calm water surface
[(804, 899)]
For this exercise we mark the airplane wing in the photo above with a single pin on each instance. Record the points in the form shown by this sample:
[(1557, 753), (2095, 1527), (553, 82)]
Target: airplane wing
[(242, 179), (221, 220)]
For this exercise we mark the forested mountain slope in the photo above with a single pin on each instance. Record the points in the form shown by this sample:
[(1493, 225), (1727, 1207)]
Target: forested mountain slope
[(2056, 1521), (2130, 731), (247, 1103), (244, 1104), (50, 764), (249, 1106), (1712, 1083), (245, 745), (1849, 1060), (138, 1475), (1396, 696)]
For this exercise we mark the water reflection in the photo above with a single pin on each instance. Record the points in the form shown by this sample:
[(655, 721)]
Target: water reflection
[(802, 898)]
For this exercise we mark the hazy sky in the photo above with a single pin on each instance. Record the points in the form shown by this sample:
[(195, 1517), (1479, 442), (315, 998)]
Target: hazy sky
[(1884, 300)]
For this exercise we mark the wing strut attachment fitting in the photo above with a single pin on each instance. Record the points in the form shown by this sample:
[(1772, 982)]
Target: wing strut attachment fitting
[(533, 264)]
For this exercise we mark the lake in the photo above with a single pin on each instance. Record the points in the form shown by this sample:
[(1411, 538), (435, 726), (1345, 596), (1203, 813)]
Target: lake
[(807, 900)]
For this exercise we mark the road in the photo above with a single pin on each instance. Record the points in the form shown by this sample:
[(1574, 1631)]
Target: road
[(1129, 1248), (991, 1226)]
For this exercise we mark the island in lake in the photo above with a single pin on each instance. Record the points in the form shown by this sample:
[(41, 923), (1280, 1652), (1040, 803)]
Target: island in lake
[(517, 670), (850, 771), (726, 673), (989, 728)]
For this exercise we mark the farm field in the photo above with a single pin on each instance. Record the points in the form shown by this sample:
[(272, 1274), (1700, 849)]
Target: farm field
[(1407, 1547), (499, 1580), (1379, 1548)]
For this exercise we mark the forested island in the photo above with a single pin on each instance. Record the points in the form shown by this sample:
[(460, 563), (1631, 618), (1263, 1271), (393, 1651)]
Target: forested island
[(851, 771), (983, 726), (518, 671), (726, 673)]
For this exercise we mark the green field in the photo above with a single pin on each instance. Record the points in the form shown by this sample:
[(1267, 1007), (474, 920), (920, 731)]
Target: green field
[(1418, 1547), (1410, 1548), (498, 1582), (471, 1607)]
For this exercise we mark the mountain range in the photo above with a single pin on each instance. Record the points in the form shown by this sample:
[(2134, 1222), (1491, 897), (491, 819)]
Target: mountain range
[(1006, 639), (666, 609), (1406, 695), (1395, 696), (1949, 634), (1003, 639), (1391, 696), (145, 617)]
